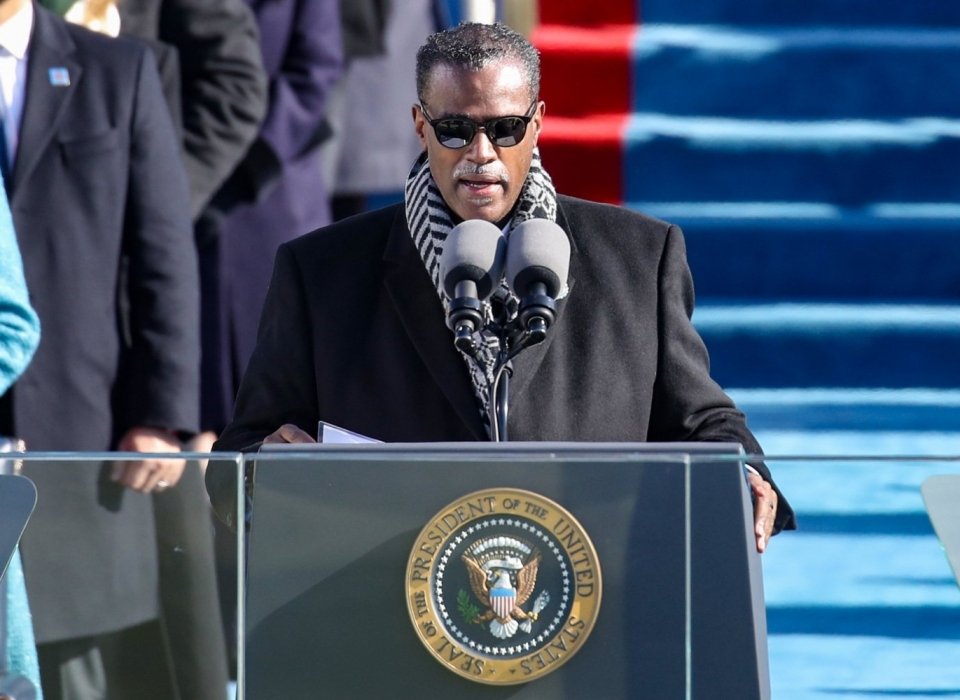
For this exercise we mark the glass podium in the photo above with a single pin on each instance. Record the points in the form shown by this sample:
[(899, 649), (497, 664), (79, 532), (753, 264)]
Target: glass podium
[(647, 577), (672, 597)]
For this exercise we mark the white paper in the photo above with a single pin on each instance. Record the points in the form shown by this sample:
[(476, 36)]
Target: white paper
[(335, 435)]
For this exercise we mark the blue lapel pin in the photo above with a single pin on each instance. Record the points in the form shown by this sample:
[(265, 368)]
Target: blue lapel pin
[(59, 77)]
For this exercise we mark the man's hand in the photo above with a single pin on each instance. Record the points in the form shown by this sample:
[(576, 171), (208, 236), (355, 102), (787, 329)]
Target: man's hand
[(764, 509), (288, 433), (149, 475)]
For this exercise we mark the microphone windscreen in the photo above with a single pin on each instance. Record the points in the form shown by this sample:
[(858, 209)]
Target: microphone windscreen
[(538, 251), (473, 251)]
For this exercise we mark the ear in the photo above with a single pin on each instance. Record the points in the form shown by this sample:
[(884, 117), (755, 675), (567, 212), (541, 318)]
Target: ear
[(420, 124)]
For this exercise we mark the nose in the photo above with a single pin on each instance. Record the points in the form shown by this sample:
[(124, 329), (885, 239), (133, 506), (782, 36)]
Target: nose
[(481, 149)]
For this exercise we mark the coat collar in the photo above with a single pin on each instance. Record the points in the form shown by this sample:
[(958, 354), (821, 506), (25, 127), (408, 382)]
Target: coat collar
[(415, 299), (51, 64), (421, 313)]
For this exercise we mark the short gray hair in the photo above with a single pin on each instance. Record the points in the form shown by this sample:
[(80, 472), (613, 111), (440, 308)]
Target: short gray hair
[(473, 46)]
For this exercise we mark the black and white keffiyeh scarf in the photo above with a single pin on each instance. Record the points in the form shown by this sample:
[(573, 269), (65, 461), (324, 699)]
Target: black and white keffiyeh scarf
[(430, 222)]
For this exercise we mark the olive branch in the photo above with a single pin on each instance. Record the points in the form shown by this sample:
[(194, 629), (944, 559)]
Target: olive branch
[(468, 610)]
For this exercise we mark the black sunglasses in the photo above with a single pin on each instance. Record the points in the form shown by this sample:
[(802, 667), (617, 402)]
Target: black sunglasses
[(458, 132)]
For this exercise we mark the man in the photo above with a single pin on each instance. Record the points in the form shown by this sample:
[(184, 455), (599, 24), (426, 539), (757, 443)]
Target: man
[(101, 208), (354, 333), (213, 78)]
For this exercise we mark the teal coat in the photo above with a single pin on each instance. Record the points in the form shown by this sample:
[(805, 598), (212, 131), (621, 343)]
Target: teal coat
[(19, 326), (19, 337)]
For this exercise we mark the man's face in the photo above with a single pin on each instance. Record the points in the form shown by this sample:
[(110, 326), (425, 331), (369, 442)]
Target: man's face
[(480, 180)]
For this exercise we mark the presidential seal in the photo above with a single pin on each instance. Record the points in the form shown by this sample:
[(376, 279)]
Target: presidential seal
[(503, 586)]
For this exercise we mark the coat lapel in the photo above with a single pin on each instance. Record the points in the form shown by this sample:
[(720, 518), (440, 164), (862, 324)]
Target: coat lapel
[(412, 293), (50, 65), (421, 313)]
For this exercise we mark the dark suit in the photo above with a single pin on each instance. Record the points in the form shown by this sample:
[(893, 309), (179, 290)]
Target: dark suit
[(222, 84), (276, 193), (100, 204), (353, 333), (220, 101)]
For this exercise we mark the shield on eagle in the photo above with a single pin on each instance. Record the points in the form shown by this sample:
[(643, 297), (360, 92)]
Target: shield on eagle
[(503, 596)]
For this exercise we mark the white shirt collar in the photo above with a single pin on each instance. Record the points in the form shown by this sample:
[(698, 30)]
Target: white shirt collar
[(15, 32)]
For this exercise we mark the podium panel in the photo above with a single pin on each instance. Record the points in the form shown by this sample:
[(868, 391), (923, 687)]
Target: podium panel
[(18, 497), (941, 493), (331, 555)]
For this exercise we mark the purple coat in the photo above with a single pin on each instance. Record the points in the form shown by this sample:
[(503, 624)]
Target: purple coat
[(276, 194)]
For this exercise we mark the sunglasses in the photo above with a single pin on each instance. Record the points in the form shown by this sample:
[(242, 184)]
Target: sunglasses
[(459, 132)]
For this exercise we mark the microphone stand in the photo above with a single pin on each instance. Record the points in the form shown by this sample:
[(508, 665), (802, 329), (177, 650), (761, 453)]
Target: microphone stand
[(500, 397), (513, 336)]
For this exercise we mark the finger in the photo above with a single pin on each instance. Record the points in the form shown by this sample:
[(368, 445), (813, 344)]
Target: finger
[(759, 531), (764, 510), (288, 433), (128, 474), (293, 434), (163, 474), (172, 471), (760, 511)]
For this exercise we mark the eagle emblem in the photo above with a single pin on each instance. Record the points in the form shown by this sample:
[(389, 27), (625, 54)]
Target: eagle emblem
[(503, 576)]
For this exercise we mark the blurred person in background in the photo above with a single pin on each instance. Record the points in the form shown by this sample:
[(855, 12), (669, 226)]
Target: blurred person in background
[(369, 153), (101, 206), (214, 82), (276, 193), (220, 97)]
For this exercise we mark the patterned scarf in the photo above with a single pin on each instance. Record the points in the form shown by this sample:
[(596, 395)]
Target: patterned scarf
[(430, 222)]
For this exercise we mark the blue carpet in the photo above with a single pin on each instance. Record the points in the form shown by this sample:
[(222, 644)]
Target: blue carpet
[(861, 600), (790, 251), (845, 162), (841, 13), (737, 69), (832, 345), (806, 150)]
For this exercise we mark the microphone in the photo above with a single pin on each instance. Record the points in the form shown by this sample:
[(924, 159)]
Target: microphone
[(538, 260), (471, 266)]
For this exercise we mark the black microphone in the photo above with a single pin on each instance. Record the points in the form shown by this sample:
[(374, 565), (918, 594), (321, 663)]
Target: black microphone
[(538, 260), (471, 266)]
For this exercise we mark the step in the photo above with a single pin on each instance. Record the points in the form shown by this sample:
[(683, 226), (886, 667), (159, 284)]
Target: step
[(899, 573), (847, 162), (769, 251), (832, 345), (852, 664), (585, 156), (579, 13), (586, 70), (872, 414), (931, 13), (817, 72)]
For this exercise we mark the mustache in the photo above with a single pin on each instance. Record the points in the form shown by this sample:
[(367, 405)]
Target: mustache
[(496, 170)]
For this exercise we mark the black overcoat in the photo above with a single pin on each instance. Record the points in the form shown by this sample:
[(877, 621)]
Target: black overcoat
[(353, 333)]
